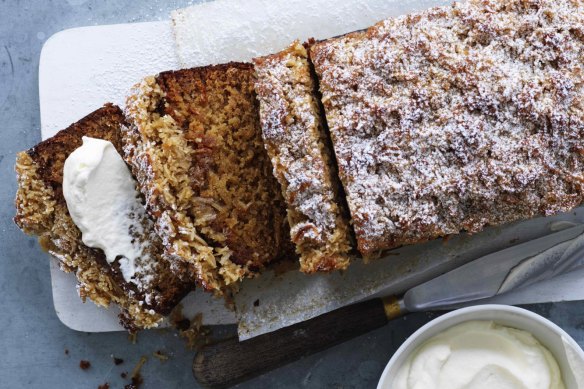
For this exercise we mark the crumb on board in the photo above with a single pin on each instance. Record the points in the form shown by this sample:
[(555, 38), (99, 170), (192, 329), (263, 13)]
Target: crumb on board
[(66, 351), (136, 377), (117, 361), (197, 335), (124, 374), (84, 365), (160, 355), (104, 386), (183, 324), (193, 330)]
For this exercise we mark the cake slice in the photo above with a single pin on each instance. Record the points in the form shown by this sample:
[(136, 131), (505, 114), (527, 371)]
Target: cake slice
[(41, 210), (302, 161), (457, 118), (194, 143)]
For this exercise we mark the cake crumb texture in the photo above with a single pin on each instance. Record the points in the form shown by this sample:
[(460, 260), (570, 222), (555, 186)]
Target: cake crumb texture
[(302, 162), (194, 142), (41, 210)]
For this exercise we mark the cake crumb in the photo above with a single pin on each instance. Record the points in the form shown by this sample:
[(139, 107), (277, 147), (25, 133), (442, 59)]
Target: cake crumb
[(197, 335), (136, 377), (104, 386), (117, 361), (133, 337), (193, 330), (84, 365), (183, 325), (160, 355)]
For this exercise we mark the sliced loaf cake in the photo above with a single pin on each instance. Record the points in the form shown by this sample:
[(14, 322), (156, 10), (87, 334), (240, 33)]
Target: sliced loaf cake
[(194, 143), (302, 160), (41, 210), (457, 118)]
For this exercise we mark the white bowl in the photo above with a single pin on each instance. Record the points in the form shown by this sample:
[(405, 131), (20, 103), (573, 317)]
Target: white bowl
[(567, 352)]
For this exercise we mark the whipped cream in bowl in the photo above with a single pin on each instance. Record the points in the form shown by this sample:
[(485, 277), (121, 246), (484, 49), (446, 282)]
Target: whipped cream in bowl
[(487, 346), (103, 202)]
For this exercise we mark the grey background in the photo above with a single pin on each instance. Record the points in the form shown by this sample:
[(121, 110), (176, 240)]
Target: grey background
[(33, 340)]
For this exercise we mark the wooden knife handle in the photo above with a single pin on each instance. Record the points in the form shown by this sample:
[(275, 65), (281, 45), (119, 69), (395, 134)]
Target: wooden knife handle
[(231, 362)]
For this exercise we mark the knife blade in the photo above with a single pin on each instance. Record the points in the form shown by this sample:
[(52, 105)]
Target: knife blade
[(231, 361), (279, 299), (490, 275)]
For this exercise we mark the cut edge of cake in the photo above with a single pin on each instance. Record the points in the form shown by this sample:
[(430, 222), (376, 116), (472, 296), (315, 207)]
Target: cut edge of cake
[(295, 137), (194, 144), (41, 211)]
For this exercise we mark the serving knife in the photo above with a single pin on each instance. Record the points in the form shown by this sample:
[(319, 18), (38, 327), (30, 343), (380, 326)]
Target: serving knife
[(231, 361)]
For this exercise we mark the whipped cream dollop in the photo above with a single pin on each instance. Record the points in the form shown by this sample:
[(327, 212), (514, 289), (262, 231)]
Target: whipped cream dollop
[(480, 355), (103, 202)]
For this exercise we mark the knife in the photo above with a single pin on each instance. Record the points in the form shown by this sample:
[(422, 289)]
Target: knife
[(230, 362)]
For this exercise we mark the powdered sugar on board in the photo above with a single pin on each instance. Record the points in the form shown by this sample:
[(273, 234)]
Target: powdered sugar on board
[(82, 68), (239, 30)]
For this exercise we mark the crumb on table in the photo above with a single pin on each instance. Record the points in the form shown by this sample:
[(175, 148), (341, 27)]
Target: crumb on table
[(84, 365)]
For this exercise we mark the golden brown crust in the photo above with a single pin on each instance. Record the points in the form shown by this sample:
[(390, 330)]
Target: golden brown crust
[(49, 156), (195, 146), (41, 210), (456, 118), (297, 144)]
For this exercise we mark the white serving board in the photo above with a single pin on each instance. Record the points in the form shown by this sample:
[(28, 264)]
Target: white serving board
[(239, 30), (81, 69)]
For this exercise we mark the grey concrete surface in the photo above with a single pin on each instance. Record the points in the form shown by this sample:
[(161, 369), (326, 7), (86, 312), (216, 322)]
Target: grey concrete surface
[(33, 341)]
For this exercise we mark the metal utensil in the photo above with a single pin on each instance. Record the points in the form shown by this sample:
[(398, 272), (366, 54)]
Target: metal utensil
[(232, 361)]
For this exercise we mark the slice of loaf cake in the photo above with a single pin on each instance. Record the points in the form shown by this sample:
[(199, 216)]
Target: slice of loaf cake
[(41, 210), (457, 117), (298, 147), (195, 145)]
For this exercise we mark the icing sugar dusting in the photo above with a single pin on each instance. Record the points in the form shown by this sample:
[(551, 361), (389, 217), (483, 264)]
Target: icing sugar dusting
[(290, 129), (457, 117), (296, 143), (234, 30)]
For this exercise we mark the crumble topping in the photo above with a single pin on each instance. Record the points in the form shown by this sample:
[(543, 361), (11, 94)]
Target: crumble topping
[(457, 117)]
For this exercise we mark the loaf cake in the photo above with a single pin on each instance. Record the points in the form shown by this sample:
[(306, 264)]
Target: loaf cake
[(298, 147), (41, 210), (194, 143), (457, 118)]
